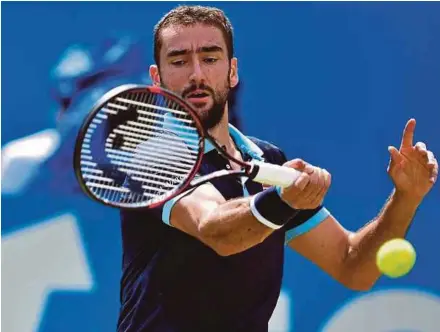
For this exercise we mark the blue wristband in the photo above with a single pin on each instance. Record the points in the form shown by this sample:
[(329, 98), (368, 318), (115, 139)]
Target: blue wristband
[(269, 209)]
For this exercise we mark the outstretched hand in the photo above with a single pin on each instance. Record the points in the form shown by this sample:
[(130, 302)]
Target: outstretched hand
[(413, 168)]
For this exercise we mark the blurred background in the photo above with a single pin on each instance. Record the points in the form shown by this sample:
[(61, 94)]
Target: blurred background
[(347, 77)]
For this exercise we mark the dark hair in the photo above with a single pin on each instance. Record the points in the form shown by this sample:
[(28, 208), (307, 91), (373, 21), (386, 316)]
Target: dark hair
[(191, 15)]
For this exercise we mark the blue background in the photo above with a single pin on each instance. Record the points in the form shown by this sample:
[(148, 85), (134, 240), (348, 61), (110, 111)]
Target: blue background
[(332, 83)]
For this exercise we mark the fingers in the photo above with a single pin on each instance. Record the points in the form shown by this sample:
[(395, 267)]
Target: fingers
[(434, 174), (302, 182), (425, 156), (396, 157), (297, 164), (432, 167), (315, 184), (421, 153), (408, 134), (326, 181), (300, 165), (431, 159), (428, 160), (309, 169), (309, 190), (311, 187), (420, 147)]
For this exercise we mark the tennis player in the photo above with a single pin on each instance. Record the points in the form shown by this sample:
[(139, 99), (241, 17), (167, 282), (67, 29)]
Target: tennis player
[(212, 259)]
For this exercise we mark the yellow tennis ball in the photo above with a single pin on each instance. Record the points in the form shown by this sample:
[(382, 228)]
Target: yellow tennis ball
[(395, 258)]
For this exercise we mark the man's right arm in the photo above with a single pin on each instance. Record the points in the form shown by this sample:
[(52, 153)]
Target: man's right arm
[(230, 227)]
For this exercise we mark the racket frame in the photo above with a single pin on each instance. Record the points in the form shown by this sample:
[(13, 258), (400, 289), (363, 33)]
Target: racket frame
[(108, 96)]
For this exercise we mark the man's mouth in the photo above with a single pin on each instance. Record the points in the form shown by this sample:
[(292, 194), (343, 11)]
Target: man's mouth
[(198, 97)]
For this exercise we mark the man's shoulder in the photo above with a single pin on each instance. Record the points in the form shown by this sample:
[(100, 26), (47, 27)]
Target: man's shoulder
[(262, 144), (271, 152)]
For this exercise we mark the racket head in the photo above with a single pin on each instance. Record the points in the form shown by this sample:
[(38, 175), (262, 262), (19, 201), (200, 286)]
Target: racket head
[(130, 159)]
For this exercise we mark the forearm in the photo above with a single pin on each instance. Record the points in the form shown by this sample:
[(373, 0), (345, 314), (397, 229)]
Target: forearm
[(231, 227), (392, 222)]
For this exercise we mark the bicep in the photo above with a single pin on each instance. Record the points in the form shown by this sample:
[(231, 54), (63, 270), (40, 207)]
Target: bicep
[(188, 211), (326, 245)]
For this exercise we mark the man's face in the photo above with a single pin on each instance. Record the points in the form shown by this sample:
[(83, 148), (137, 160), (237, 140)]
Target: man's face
[(194, 64)]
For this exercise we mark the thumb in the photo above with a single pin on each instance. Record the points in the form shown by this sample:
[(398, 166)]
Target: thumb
[(396, 157), (297, 164)]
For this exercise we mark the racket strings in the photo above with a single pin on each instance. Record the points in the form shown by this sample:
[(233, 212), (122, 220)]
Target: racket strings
[(150, 143)]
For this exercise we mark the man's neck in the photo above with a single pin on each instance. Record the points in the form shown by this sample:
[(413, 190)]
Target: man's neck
[(221, 134)]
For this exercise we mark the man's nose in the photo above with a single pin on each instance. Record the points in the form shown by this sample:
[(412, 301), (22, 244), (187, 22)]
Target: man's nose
[(197, 75)]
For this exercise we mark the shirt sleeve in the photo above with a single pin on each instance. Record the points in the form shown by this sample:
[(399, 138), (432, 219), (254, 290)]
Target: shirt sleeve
[(162, 212), (304, 221), (165, 213)]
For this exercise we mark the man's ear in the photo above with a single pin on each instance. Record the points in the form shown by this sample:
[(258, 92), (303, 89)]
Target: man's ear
[(154, 75), (233, 74)]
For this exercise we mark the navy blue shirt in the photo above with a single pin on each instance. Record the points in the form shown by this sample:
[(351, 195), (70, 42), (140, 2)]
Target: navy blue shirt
[(172, 282)]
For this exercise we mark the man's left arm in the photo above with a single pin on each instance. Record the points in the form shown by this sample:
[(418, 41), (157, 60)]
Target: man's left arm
[(349, 257)]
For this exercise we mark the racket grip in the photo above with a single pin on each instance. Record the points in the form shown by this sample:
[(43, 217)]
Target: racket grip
[(274, 175)]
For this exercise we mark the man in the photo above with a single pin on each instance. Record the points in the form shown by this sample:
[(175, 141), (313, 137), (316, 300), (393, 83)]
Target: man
[(212, 259)]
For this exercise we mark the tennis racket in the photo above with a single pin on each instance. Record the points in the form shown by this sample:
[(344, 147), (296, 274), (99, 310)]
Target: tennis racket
[(143, 145)]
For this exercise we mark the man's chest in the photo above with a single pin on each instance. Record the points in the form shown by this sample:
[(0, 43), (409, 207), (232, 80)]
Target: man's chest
[(229, 187)]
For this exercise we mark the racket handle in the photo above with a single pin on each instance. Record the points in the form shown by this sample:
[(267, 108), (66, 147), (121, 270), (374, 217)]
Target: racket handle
[(274, 175)]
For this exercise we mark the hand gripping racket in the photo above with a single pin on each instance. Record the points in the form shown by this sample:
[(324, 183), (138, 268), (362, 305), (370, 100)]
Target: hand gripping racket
[(143, 145)]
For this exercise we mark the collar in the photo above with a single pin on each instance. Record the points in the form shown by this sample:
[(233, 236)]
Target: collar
[(244, 144)]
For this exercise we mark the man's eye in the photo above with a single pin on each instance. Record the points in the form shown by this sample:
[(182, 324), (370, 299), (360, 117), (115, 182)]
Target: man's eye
[(210, 60), (178, 63)]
